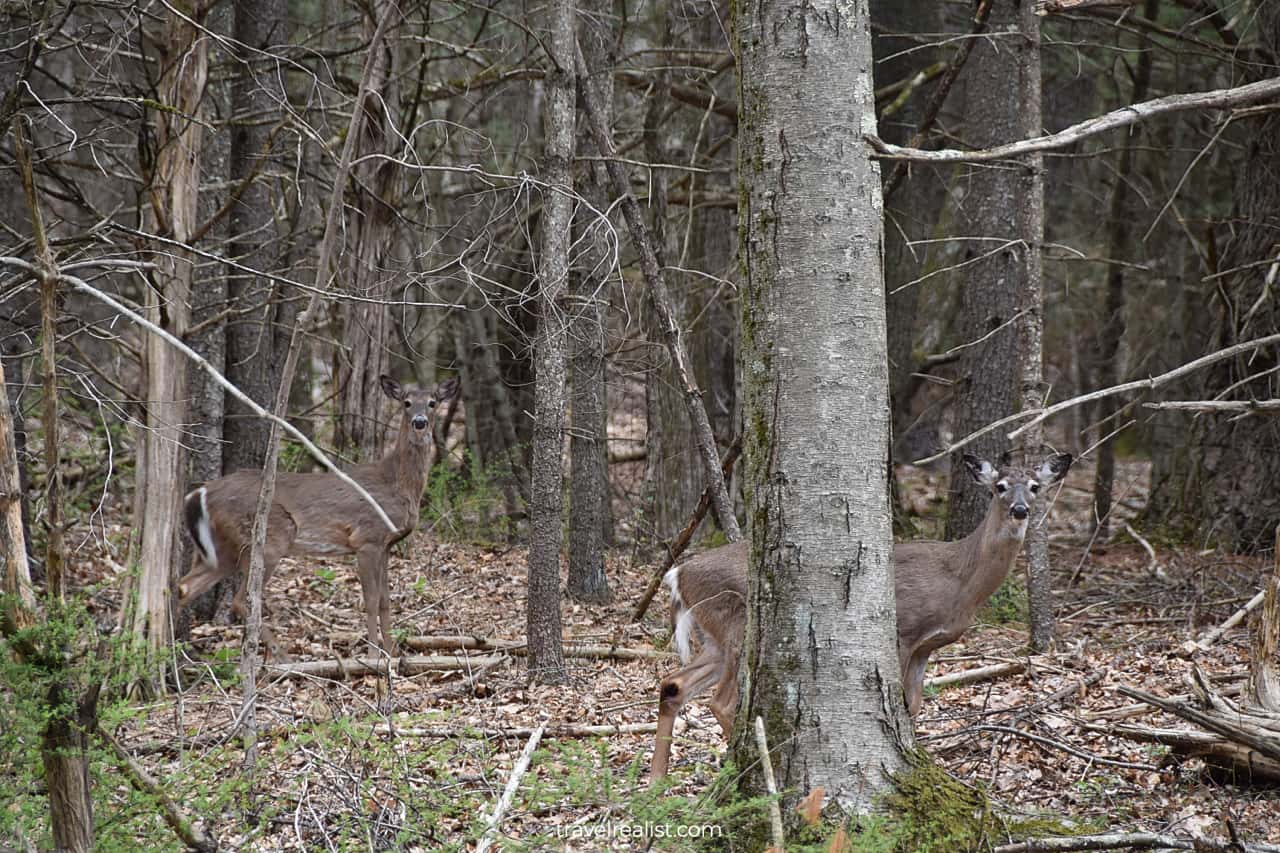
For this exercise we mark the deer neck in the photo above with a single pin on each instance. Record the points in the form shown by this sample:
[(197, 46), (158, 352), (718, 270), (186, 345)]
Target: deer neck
[(988, 552), (405, 467)]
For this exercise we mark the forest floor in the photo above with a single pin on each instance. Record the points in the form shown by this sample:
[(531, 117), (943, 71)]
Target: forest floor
[(336, 777)]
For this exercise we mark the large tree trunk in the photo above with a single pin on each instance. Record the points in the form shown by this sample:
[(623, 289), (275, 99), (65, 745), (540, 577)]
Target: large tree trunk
[(989, 286), (366, 324), (173, 197), (255, 340), (588, 453), (1223, 488), (546, 648), (820, 662)]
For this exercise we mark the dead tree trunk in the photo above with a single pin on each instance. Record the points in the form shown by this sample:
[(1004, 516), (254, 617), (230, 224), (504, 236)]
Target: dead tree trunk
[(173, 196), (366, 324)]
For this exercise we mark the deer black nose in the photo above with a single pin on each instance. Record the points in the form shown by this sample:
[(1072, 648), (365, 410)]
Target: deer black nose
[(1019, 511), (419, 421)]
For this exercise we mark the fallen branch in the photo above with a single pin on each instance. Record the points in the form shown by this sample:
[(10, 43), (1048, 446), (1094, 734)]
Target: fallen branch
[(549, 732), (1233, 620), (1244, 764), (1132, 114), (974, 676), (1132, 841), (1048, 7), (190, 834), (343, 668), (1153, 565), (770, 786), (520, 647), (1232, 730), (509, 793)]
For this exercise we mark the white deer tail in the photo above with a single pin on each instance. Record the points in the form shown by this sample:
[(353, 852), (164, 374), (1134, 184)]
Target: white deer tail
[(195, 508), (681, 615)]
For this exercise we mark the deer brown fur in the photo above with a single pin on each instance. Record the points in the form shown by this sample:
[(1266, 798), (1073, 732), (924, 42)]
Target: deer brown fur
[(939, 587), (317, 514)]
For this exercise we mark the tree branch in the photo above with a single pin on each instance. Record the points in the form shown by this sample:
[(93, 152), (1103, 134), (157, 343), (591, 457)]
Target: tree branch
[(1214, 99)]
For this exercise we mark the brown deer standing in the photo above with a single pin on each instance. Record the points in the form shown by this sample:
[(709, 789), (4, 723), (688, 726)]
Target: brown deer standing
[(317, 514), (939, 587)]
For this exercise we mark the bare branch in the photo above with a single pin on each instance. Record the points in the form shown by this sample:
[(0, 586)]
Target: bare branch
[(1214, 99)]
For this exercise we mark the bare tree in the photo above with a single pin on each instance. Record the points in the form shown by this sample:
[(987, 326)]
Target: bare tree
[(820, 664), (259, 330), (173, 195), (366, 322), (546, 508), (989, 283), (588, 452)]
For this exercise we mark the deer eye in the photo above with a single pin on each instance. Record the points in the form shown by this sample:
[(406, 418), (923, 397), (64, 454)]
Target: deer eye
[(1002, 487), (406, 404), (431, 404), (1034, 487)]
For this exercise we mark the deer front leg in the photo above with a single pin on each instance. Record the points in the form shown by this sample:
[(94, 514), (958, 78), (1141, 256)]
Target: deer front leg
[(371, 564)]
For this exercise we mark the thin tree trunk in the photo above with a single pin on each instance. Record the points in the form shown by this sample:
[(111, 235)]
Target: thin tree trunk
[(68, 720), (1119, 229), (819, 660), (209, 298), (989, 284), (19, 598), (588, 453), (174, 194), (254, 340), (546, 647), (1030, 224), (670, 326)]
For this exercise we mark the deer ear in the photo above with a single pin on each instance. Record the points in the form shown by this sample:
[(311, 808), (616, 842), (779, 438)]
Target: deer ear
[(447, 389), (391, 388), (981, 470), (1054, 468)]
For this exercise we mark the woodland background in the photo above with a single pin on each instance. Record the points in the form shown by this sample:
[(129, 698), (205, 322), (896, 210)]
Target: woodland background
[(193, 164)]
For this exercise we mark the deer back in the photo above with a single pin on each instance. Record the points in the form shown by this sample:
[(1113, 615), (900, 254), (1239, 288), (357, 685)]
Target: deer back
[(709, 599)]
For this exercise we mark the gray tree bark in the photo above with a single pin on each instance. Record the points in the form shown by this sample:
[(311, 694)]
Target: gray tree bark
[(588, 451), (1219, 484), (366, 325), (546, 647), (1030, 323), (989, 286), (255, 340), (173, 196), (820, 662), (208, 299)]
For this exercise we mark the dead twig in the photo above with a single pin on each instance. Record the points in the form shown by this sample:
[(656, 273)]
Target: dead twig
[(771, 786), (509, 793)]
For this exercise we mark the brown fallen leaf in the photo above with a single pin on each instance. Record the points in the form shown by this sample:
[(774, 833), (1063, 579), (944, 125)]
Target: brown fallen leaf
[(810, 808)]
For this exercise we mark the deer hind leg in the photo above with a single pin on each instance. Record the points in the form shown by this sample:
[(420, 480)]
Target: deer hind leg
[(371, 565), (913, 681), (675, 691), (724, 700)]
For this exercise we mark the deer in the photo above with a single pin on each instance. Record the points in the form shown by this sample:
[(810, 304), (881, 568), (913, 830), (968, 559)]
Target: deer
[(317, 514), (939, 587)]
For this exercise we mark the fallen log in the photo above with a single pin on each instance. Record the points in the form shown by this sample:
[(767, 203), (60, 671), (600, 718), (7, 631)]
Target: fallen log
[(1132, 841), (551, 732), (343, 668), (1242, 764), (465, 643), (976, 675)]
